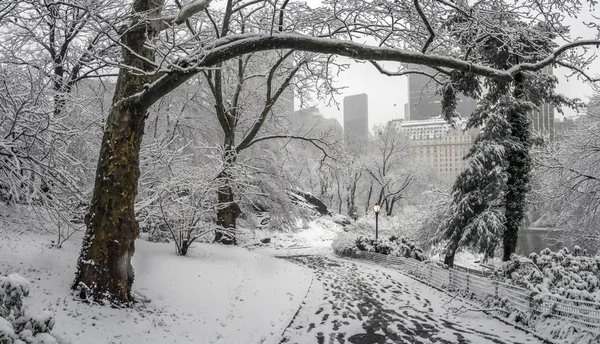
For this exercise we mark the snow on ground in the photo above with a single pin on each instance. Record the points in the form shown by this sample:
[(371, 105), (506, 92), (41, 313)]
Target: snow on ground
[(351, 301), (230, 295), (471, 260), (315, 238), (217, 294)]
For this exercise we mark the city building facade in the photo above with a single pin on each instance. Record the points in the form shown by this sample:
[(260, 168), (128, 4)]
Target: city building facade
[(436, 143), (542, 119)]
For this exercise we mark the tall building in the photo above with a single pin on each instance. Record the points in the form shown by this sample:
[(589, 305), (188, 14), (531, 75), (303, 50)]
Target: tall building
[(286, 101), (434, 142), (311, 122), (424, 103), (542, 120), (356, 117)]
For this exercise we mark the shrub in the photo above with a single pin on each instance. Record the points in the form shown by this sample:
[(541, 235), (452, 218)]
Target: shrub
[(384, 246), (563, 273), (16, 326), (348, 243), (344, 244)]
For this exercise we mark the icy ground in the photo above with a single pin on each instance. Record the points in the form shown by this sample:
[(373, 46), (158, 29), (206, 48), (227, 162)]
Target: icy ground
[(359, 303)]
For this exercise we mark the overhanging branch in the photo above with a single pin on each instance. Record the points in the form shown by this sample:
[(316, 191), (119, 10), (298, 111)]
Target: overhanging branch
[(229, 47)]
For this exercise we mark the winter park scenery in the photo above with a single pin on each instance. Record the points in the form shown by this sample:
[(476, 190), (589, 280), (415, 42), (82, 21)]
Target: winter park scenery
[(329, 172)]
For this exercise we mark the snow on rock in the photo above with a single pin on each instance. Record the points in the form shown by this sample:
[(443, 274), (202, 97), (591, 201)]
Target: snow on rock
[(217, 294)]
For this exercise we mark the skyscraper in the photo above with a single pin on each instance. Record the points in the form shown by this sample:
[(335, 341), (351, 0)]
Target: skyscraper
[(542, 120), (424, 103), (311, 121), (356, 117)]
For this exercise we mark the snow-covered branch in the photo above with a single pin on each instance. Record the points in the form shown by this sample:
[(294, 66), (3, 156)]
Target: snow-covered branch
[(185, 13)]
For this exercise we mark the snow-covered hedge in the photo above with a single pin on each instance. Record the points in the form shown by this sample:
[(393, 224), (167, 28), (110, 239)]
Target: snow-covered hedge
[(571, 275), (16, 325), (347, 243), (564, 273)]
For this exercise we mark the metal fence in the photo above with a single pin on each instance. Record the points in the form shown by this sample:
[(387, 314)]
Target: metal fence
[(583, 313)]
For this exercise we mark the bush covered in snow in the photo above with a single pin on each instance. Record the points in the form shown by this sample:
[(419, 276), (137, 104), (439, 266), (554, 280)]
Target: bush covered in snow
[(348, 243), (407, 224), (564, 273), (16, 326)]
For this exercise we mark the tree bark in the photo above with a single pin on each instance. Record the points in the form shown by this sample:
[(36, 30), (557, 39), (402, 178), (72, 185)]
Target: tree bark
[(227, 213), (104, 270), (369, 194), (519, 168), (450, 253), (228, 210), (351, 200)]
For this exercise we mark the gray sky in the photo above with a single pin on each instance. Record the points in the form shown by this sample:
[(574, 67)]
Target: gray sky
[(384, 91)]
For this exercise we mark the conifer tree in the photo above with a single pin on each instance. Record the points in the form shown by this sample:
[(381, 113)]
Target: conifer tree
[(489, 197)]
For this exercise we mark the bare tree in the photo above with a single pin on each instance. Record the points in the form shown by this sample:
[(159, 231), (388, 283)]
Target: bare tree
[(36, 163), (59, 45), (247, 96), (388, 164), (569, 179)]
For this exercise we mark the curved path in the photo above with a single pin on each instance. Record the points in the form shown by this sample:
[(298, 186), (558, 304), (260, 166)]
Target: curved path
[(359, 303)]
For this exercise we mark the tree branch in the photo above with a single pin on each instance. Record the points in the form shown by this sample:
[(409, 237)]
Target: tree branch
[(184, 14), (230, 47), (578, 70), (427, 25), (552, 58), (294, 137)]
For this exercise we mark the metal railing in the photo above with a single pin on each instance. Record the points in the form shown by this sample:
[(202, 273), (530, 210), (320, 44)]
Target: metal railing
[(585, 314)]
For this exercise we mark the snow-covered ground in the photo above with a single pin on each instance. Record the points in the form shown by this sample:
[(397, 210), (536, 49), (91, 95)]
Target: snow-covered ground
[(471, 260), (315, 238), (217, 294), (231, 295), (352, 301)]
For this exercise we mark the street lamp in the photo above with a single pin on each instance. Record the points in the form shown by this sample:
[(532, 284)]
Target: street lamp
[(376, 208)]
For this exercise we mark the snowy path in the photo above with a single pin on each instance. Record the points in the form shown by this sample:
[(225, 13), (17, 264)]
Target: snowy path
[(358, 303)]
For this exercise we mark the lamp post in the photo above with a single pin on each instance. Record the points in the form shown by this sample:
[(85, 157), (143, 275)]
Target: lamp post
[(376, 208)]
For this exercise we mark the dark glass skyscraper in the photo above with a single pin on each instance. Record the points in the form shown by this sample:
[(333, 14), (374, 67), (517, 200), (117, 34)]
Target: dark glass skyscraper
[(424, 103), (356, 117)]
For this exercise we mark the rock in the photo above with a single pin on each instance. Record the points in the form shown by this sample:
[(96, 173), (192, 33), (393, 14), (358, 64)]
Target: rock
[(265, 240), (341, 220)]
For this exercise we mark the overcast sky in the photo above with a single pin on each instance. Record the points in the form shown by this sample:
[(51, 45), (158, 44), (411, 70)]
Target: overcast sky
[(384, 91)]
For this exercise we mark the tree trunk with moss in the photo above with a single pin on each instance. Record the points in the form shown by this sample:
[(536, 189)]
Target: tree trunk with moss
[(104, 270), (518, 170)]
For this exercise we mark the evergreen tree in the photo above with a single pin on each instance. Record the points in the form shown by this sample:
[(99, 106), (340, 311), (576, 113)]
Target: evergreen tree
[(489, 197)]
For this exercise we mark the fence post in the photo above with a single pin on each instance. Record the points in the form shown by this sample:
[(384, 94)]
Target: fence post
[(468, 286), (430, 274), (496, 289)]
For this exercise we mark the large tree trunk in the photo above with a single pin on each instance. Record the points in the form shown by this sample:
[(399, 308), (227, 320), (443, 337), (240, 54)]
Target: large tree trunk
[(104, 270), (519, 167), (228, 210), (450, 254)]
